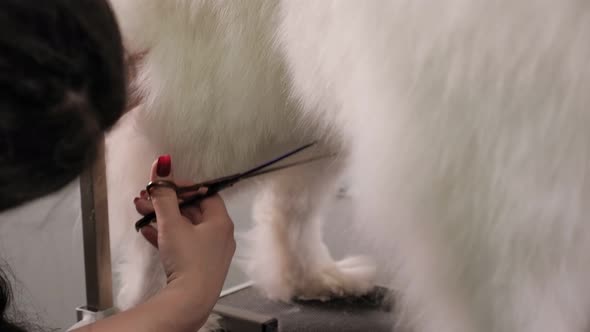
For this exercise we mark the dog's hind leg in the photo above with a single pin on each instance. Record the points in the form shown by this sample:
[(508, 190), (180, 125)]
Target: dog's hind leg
[(287, 257)]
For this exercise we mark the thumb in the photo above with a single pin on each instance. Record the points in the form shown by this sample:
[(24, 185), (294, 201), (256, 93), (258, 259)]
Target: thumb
[(164, 198)]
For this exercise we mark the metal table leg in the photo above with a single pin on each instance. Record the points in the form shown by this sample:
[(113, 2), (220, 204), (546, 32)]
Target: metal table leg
[(97, 255)]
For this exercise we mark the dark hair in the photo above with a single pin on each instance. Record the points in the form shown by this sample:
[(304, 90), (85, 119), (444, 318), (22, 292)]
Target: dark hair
[(5, 298), (62, 84)]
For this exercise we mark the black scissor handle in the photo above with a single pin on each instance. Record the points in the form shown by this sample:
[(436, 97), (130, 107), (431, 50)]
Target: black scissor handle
[(149, 218)]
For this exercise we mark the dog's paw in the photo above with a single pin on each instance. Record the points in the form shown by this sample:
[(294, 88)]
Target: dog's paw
[(212, 324), (353, 276)]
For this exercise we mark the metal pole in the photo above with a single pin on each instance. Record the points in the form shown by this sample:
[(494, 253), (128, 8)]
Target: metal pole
[(95, 229)]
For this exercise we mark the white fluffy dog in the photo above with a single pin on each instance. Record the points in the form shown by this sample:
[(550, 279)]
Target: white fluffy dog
[(464, 125)]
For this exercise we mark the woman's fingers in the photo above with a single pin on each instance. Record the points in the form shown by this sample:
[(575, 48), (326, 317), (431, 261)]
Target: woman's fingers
[(150, 234), (143, 206)]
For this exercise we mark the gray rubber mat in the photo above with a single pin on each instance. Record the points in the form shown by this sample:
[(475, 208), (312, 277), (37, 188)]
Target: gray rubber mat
[(246, 310)]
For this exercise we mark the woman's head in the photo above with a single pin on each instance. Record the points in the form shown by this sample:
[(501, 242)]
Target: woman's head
[(62, 84)]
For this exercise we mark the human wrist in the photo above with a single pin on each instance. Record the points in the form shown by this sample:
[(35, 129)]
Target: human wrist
[(173, 308), (189, 300)]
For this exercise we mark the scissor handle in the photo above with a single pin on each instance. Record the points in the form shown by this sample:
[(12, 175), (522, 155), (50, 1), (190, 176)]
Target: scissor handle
[(149, 218), (188, 189), (160, 183), (219, 183), (213, 186)]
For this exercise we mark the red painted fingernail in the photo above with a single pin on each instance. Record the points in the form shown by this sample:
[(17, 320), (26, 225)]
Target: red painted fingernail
[(164, 165), (143, 194), (135, 199)]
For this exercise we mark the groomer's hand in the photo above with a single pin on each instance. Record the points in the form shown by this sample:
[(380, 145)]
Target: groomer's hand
[(196, 247), (196, 244)]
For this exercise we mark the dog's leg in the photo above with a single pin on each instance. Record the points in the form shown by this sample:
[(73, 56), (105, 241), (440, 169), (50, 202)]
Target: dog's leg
[(138, 273), (288, 257)]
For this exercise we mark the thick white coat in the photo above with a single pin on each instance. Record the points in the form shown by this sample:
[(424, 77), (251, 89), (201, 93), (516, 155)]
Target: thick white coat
[(466, 124)]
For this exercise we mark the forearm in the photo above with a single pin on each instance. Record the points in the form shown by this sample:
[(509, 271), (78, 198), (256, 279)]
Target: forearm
[(172, 309)]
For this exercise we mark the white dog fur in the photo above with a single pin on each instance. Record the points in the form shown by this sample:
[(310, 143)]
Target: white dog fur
[(465, 129)]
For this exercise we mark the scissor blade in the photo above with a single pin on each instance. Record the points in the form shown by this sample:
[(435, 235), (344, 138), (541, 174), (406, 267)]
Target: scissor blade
[(282, 167), (247, 173), (227, 181)]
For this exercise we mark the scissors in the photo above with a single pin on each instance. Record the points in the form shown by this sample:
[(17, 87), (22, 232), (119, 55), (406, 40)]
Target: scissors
[(214, 186)]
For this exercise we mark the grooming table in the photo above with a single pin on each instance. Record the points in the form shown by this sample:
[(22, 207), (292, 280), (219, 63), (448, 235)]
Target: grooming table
[(243, 309)]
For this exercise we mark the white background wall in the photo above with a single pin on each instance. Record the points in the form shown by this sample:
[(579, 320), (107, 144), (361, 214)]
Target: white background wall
[(42, 243)]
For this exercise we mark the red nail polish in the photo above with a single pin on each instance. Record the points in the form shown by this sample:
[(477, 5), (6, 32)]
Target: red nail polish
[(143, 194), (135, 199), (164, 165)]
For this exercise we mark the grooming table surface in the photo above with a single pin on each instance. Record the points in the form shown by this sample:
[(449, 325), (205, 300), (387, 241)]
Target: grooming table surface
[(245, 310)]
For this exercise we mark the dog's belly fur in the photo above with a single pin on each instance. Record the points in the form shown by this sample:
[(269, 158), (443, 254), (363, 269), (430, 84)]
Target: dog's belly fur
[(214, 90), (467, 127)]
